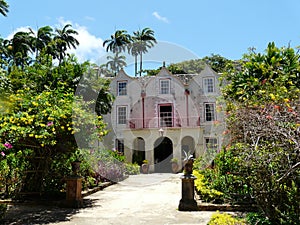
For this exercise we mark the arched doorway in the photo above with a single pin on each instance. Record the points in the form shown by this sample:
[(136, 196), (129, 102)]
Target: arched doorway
[(138, 154), (163, 152)]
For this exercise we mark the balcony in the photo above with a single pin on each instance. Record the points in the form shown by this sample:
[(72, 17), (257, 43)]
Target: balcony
[(155, 122)]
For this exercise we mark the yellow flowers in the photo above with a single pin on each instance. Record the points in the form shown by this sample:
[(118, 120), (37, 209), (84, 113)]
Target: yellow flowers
[(272, 96), (35, 104)]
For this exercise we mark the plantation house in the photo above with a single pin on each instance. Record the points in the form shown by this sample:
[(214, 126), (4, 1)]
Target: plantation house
[(161, 117)]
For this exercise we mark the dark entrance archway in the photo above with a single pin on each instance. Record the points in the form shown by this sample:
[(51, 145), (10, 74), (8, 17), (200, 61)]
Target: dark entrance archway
[(138, 154), (163, 152)]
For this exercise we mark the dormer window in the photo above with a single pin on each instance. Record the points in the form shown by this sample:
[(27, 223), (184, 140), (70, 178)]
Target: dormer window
[(122, 88), (164, 86), (209, 86)]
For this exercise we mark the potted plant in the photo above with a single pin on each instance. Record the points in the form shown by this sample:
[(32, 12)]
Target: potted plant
[(175, 166), (145, 166)]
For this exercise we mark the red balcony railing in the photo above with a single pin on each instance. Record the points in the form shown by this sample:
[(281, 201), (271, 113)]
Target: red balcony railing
[(155, 122)]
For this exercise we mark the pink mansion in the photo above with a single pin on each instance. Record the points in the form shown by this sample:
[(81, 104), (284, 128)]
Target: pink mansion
[(161, 117)]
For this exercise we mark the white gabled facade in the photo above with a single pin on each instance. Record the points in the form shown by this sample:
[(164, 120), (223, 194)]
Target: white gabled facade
[(159, 117)]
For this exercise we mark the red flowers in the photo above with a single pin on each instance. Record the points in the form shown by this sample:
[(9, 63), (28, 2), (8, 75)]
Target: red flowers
[(269, 117)]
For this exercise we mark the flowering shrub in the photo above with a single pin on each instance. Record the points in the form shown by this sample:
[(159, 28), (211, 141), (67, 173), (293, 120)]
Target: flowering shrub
[(262, 97), (205, 191), (225, 219), (44, 123)]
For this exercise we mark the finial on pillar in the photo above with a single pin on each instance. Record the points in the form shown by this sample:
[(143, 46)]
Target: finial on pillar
[(164, 64)]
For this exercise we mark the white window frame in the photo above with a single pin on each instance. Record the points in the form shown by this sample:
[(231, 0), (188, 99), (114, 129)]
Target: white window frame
[(122, 91), (213, 112), (164, 86), (122, 118), (209, 87)]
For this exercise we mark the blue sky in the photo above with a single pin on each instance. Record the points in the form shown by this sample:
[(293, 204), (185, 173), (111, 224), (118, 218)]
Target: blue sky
[(204, 27)]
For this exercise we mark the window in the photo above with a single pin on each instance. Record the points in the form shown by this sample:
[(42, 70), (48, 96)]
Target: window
[(120, 145), (164, 86), (122, 88), (122, 114), (211, 145), (209, 85), (166, 115), (209, 112)]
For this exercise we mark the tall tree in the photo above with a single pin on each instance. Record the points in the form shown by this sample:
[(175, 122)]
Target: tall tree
[(19, 48), (116, 62), (42, 38), (64, 40), (117, 42), (3, 7), (143, 39)]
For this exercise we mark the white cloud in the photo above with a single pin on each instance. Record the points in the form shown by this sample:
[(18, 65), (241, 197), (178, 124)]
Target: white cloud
[(90, 47), (159, 17)]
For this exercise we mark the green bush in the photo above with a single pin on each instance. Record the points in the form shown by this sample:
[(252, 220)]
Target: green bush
[(132, 168), (257, 219), (3, 209), (225, 219), (206, 193)]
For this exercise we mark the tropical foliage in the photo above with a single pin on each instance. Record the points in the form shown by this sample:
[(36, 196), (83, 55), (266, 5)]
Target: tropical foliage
[(262, 97), (3, 7), (136, 45), (39, 118)]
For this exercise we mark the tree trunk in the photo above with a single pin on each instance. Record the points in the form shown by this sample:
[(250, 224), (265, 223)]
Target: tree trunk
[(141, 63), (135, 65)]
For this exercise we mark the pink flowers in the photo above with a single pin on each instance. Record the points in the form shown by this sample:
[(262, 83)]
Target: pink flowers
[(8, 145), (49, 124)]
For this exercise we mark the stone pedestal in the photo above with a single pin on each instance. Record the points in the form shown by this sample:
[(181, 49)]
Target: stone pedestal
[(188, 202), (73, 192)]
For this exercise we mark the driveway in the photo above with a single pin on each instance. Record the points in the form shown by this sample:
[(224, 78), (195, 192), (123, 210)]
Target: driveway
[(150, 199)]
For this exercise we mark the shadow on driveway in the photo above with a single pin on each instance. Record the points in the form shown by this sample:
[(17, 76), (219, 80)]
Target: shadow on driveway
[(30, 213)]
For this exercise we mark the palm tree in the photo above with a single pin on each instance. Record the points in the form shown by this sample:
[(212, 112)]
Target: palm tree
[(19, 48), (64, 39), (133, 49), (3, 7), (144, 40), (117, 42), (116, 62), (42, 39)]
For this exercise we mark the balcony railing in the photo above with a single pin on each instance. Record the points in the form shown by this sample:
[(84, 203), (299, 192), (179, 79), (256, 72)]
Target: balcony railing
[(155, 122)]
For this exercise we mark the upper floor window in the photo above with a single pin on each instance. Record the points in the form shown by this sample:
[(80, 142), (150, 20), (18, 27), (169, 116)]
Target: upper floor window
[(164, 86), (121, 114), (209, 112), (209, 86), (122, 88)]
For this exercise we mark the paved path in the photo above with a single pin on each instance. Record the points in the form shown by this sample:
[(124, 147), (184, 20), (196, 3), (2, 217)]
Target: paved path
[(150, 199)]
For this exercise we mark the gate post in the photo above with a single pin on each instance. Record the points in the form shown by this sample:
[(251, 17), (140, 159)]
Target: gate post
[(188, 202)]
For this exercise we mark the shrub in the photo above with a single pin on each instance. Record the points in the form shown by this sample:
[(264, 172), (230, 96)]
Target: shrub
[(3, 209), (225, 219), (257, 219), (206, 193), (132, 168)]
